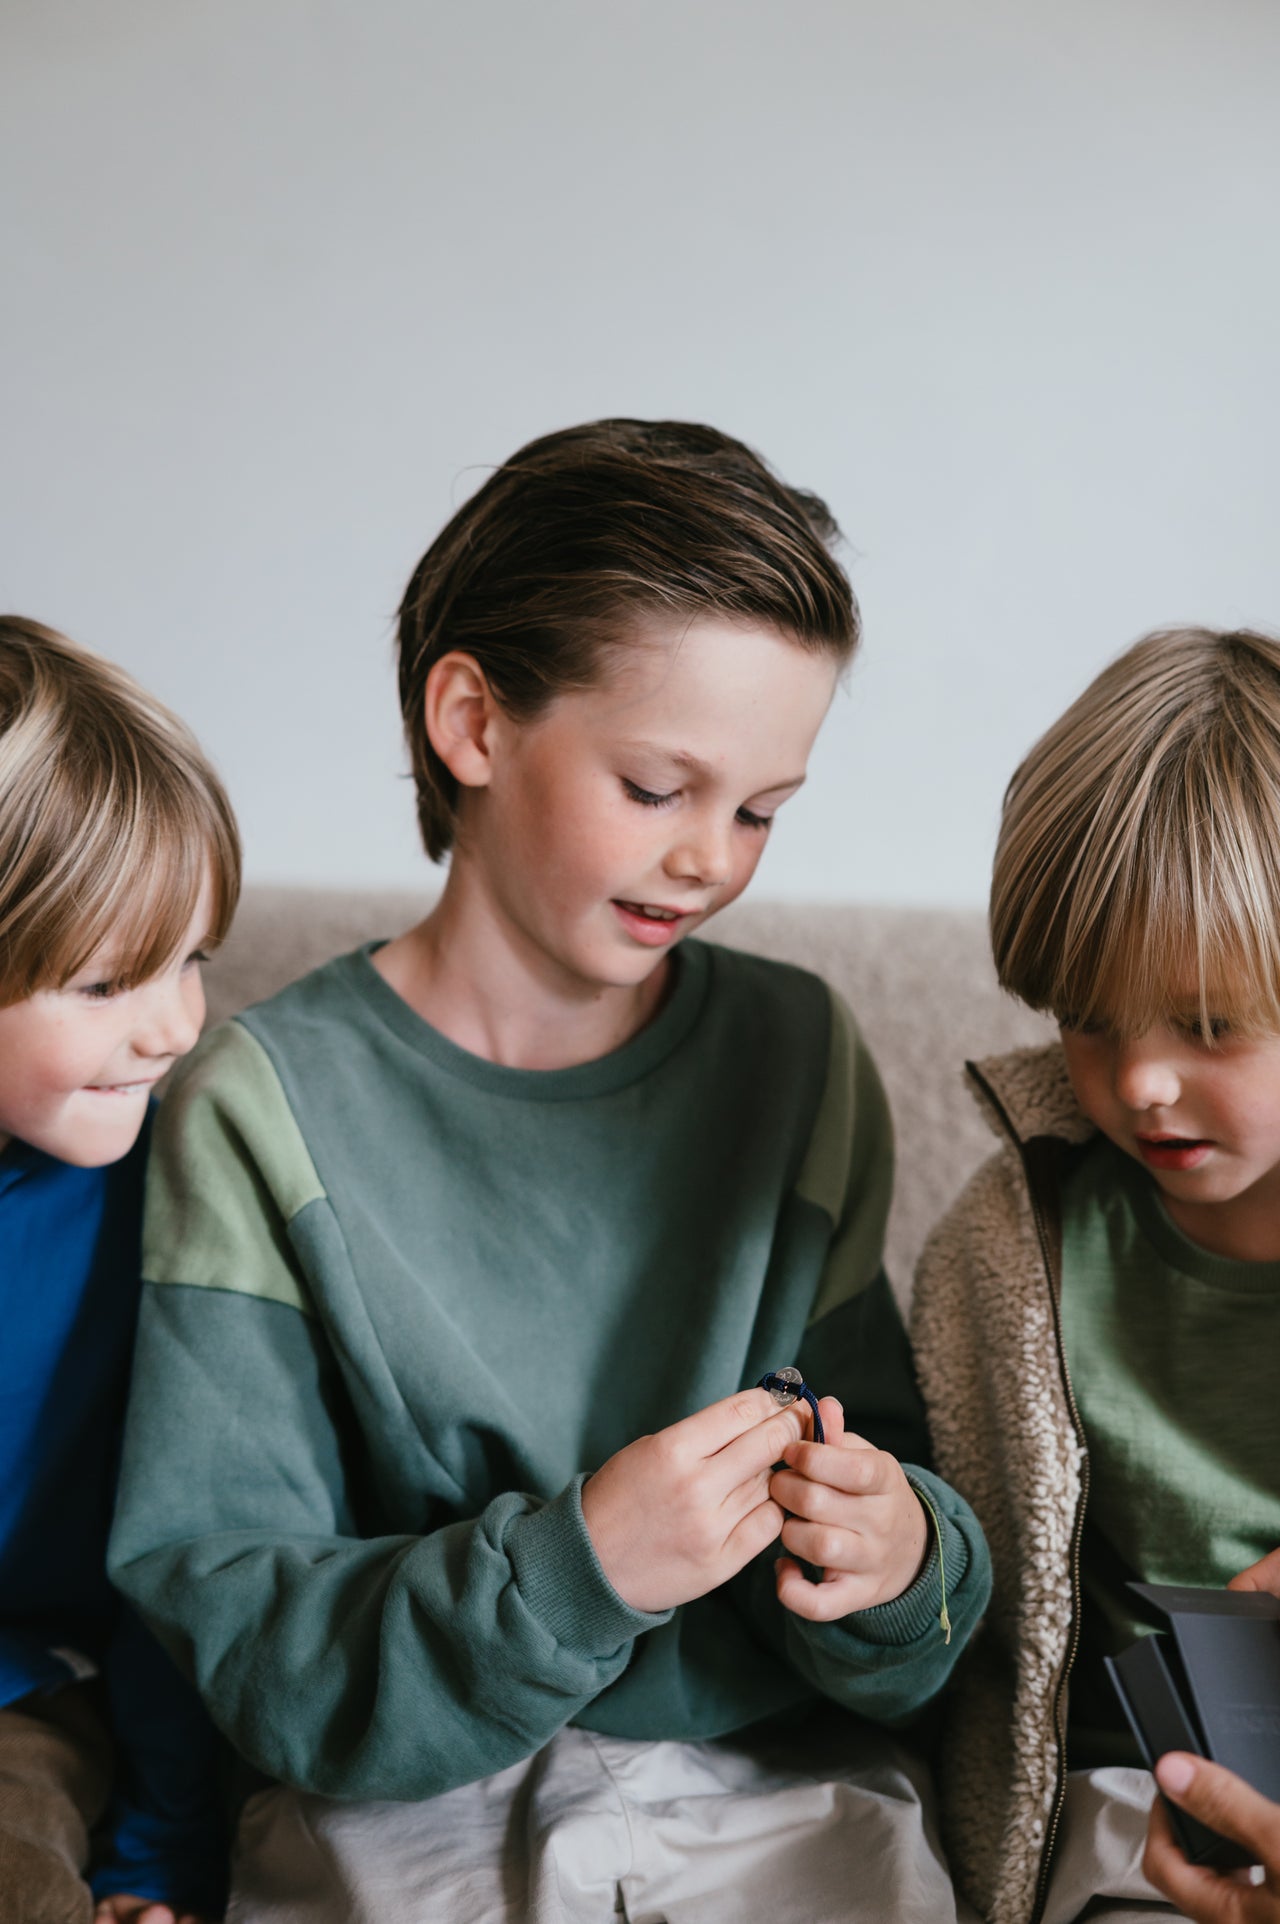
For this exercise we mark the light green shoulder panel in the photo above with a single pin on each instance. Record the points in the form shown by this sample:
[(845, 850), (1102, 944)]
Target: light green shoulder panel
[(228, 1173), (848, 1167)]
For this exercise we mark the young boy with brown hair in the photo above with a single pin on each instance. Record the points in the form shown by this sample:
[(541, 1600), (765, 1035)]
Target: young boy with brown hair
[(119, 867), (448, 1475), (1096, 1320)]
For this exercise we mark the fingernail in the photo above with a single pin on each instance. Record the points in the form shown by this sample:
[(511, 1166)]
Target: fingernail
[(1175, 1773)]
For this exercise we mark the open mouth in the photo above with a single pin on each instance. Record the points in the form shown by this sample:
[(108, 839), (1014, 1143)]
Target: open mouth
[(650, 922), (651, 913), (1173, 1152)]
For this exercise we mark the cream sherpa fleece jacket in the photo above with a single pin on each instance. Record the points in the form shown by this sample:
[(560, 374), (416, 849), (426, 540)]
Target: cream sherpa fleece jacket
[(1006, 1434)]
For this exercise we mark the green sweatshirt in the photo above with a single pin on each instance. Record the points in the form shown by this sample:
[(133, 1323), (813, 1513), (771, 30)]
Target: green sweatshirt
[(1171, 1351), (402, 1301)]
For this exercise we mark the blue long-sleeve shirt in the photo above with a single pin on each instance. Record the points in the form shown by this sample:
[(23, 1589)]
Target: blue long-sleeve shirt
[(69, 1269)]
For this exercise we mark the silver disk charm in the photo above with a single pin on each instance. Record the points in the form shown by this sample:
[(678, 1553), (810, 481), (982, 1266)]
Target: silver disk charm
[(784, 1386)]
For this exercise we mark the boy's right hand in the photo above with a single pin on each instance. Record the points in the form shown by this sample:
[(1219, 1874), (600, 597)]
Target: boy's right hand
[(673, 1516)]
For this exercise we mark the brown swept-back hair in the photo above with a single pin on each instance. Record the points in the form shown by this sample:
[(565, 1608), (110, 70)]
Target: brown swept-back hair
[(583, 536), (110, 819), (1138, 864)]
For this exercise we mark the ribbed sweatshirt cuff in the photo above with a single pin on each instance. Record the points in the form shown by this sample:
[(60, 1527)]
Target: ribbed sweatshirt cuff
[(562, 1584)]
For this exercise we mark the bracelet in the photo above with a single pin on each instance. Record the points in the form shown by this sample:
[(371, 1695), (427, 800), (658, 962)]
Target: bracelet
[(787, 1386)]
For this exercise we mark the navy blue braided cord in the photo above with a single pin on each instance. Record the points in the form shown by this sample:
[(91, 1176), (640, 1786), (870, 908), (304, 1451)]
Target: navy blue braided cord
[(776, 1384)]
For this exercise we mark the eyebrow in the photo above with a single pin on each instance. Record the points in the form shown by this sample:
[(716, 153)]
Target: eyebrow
[(692, 765)]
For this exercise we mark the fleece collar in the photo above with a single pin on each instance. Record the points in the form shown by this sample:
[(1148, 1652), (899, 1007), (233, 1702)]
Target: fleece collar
[(1033, 1089)]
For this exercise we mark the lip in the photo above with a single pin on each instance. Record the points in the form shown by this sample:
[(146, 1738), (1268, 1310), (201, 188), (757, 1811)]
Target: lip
[(138, 1086), (1173, 1152), (646, 929)]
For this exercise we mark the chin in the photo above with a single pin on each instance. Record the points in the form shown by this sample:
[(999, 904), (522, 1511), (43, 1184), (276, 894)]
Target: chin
[(94, 1148)]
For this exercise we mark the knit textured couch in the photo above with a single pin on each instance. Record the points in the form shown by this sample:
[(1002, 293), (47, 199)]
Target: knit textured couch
[(920, 982)]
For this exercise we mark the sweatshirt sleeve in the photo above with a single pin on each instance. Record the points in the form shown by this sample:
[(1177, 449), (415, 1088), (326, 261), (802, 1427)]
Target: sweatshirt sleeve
[(353, 1664), (886, 1662)]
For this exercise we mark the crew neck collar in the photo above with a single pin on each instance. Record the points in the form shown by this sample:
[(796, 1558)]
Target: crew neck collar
[(632, 1059), (1176, 1248)]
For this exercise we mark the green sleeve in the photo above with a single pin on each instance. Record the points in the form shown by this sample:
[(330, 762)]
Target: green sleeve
[(335, 1659), (886, 1662)]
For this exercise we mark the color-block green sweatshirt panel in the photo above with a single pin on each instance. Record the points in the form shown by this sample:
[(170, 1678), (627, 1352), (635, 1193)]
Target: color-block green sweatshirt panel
[(402, 1301)]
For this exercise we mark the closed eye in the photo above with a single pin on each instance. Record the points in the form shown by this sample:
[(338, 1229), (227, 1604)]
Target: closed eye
[(1218, 1029), (102, 991), (750, 820), (646, 796)]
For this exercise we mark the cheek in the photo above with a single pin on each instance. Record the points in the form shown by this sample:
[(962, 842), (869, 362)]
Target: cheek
[(1089, 1074), (748, 848), (193, 999)]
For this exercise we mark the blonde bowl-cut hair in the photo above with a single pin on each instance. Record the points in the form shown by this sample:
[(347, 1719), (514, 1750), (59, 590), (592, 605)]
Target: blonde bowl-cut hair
[(110, 819), (1137, 872)]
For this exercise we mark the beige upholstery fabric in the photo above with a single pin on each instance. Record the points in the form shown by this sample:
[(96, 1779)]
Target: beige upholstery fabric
[(919, 980)]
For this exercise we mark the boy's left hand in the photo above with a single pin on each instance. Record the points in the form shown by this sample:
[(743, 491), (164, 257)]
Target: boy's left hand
[(141, 1910), (853, 1513)]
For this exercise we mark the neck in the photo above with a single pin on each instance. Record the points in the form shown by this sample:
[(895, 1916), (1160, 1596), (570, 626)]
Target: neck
[(490, 990), (1246, 1230)]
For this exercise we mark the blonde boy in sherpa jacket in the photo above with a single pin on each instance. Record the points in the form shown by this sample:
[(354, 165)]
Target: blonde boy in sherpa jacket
[(1097, 1318)]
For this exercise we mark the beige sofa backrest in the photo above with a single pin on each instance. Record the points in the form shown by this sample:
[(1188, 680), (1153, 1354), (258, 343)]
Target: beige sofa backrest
[(919, 980)]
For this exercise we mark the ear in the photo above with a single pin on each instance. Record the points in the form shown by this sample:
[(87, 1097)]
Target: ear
[(460, 713)]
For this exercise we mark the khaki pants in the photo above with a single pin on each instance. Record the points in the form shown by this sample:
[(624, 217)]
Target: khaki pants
[(830, 1824), (1097, 1869), (55, 1774)]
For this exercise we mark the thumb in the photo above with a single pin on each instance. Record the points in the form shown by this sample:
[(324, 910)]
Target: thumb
[(1262, 1575), (1224, 1802)]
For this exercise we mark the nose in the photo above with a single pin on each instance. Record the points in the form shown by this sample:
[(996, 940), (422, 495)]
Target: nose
[(171, 1011), (1144, 1075), (702, 853)]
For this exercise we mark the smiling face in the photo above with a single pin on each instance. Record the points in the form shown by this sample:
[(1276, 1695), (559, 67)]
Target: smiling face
[(81, 1061), (623, 816), (1203, 1117)]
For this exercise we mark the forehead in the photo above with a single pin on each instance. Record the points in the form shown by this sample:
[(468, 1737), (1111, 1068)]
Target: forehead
[(715, 684), (146, 937)]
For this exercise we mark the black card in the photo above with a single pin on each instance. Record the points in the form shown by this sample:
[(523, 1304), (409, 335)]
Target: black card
[(1213, 1688)]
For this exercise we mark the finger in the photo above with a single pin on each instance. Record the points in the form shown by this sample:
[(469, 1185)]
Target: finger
[(1196, 1891), (856, 1468), (823, 1602), (826, 1546), (1225, 1803), (708, 1431), (753, 1533), (817, 1502), (754, 1453), (1262, 1575)]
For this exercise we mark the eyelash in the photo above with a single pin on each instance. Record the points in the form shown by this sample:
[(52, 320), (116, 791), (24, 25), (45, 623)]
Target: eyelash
[(107, 991), (648, 799), (1219, 1028)]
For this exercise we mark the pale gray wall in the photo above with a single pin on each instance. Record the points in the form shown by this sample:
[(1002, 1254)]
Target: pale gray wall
[(1001, 280)]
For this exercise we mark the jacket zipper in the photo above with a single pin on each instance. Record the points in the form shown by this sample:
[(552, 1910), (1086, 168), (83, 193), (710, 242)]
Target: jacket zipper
[(1077, 1530), (1054, 1283)]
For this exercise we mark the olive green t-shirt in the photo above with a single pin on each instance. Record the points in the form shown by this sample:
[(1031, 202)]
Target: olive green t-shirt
[(1172, 1353)]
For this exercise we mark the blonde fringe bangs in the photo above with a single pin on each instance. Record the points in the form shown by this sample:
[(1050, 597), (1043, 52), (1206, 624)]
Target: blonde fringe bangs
[(110, 821), (1137, 877)]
